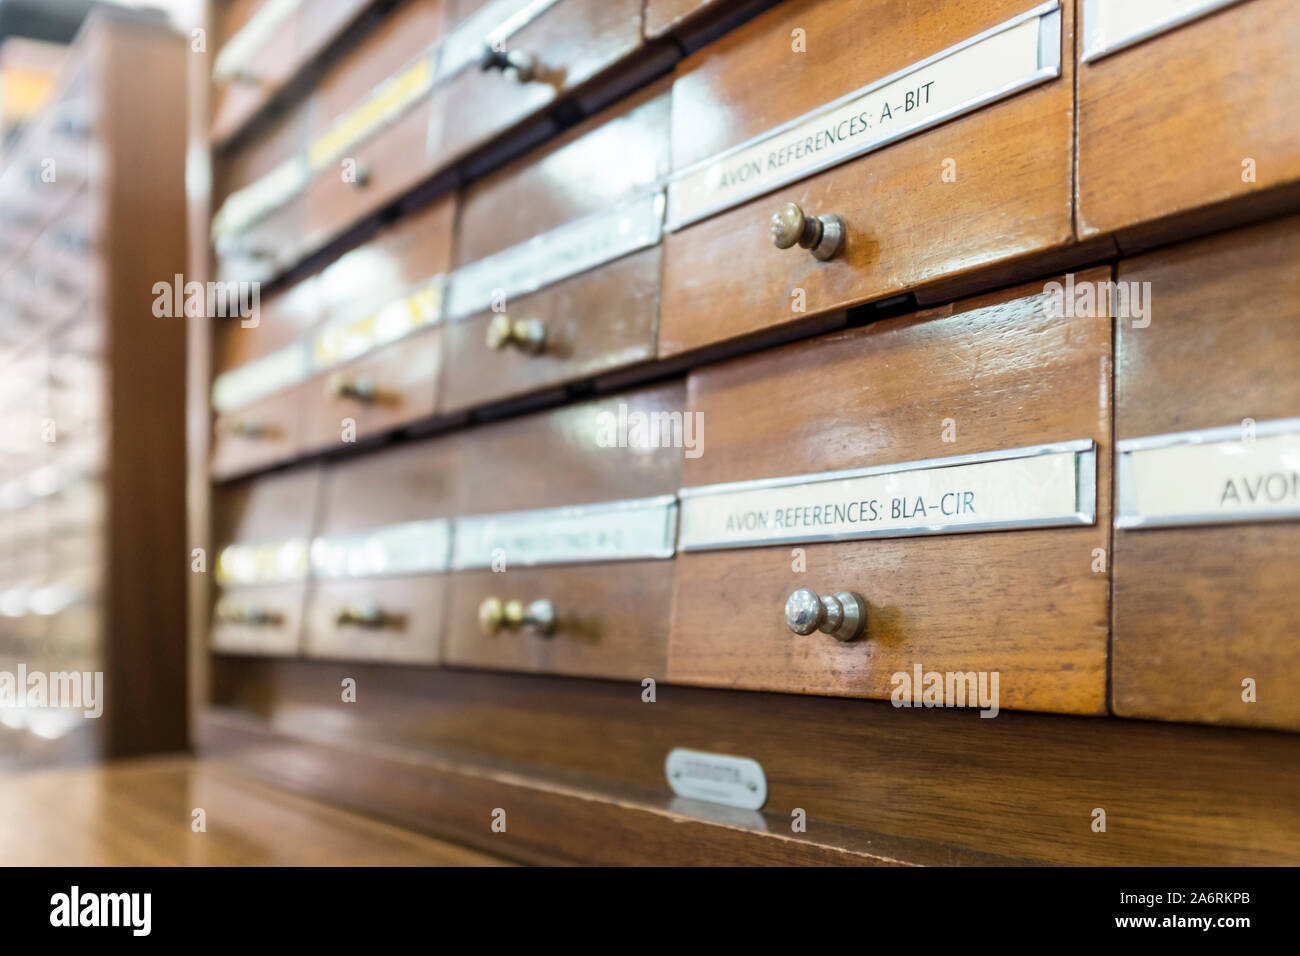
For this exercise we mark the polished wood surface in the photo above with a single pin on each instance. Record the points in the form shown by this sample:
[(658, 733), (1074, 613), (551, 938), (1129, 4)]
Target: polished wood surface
[(270, 508), (410, 610), (140, 813), (1153, 146), (260, 619), (1198, 610), (1027, 604), (263, 433), (724, 279)]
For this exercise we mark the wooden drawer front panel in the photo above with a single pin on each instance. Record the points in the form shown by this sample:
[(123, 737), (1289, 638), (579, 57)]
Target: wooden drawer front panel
[(611, 620), (990, 374), (593, 323), (390, 619), (261, 434), (571, 42), (1201, 609), (1148, 151), (964, 209), (271, 508), (257, 55), (258, 620), (281, 321), (392, 386)]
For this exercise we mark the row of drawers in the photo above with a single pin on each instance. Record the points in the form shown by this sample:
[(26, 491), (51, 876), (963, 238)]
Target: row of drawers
[(997, 416), (968, 110), (579, 263)]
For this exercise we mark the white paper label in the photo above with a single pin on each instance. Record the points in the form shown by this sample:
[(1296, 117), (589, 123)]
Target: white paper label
[(610, 531), (276, 562), (1050, 485), (717, 778), (572, 248), (1217, 476), (1110, 25), (1010, 57), (414, 547)]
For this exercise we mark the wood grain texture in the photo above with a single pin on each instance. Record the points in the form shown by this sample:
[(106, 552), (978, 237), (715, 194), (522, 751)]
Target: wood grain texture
[(1024, 603), (267, 508), (138, 813), (612, 620), (1197, 610), (1150, 150), (573, 41), (1020, 785), (596, 322), (724, 279), (591, 168), (393, 485)]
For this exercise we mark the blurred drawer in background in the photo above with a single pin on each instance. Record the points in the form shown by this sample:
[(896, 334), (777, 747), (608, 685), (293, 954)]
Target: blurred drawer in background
[(907, 399), (1157, 155), (571, 222), (1209, 538), (378, 556), (558, 555), (371, 117), (505, 61), (757, 122), (262, 529)]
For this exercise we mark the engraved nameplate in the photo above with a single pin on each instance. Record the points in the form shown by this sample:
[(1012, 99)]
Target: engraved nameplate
[(388, 101), (260, 377), (717, 778), (566, 251), (1216, 476), (1043, 486), (1010, 57), (610, 531), (348, 339), (414, 547), (275, 563), (491, 26), (1110, 25)]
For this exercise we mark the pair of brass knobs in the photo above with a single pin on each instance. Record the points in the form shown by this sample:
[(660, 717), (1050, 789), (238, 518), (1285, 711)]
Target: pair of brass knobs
[(495, 616), (527, 335)]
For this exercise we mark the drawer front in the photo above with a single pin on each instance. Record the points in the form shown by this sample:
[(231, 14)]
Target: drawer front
[(610, 620), (271, 508), (1201, 608), (261, 434), (590, 324), (1028, 604), (1150, 149), (280, 321), (258, 620), (570, 42), (389, 619), (258, 54), (392, 386), (723, 275)]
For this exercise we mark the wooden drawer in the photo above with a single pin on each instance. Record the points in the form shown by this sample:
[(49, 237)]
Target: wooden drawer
[(1159, 155), (258, 620), (571, 43), (370, 127), (268, 431), (1200, 608), (593, 323), (282, 320), (988, 375), (982, 191), (610, 616), (391, 386), (358, 608), (248, 68), (271, 508)]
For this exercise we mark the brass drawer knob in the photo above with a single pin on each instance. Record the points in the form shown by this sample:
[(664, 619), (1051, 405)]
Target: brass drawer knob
[(527, 335), (822, 235), (495, 615), (364, 615), (516, 64), (249, 616), (361, 390), (842, 614)]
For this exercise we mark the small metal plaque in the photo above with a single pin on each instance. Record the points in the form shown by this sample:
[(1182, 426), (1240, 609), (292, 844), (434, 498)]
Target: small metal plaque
[(1111, 25), (1017, 54), (572, 248), (491, 25), (717, 778), (413, 547), (261, 377), (389, 100), (348, 339), (1241, 473), (1042, 486), (610, 531), (278, 562)]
